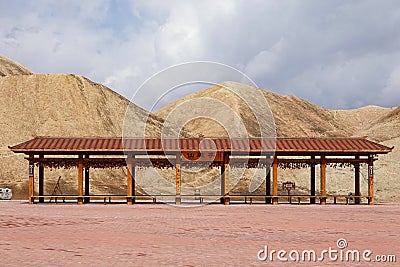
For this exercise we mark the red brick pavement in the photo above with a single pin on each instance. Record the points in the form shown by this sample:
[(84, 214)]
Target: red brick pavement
[(213, 235)]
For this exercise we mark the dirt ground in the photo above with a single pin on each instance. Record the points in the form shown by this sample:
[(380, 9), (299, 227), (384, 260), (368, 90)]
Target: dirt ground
[(212, 235)]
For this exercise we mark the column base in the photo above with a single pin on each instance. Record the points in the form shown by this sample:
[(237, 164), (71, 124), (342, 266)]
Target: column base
[(274, 201), (322, 201), (80, 200), (178, 200)]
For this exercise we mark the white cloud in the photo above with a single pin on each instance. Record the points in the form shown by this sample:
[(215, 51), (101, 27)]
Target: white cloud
[(267, 62), (339, 54), (392, 88)]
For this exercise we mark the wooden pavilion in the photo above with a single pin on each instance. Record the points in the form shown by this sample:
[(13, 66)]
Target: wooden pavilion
[(92, 152)]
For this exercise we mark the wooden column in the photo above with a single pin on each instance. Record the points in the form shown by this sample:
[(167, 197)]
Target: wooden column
[(268, 185), (275, 181), (87, 183), (222, 183), (41, 181), (31, 189), (133, 168), (130, 180), (323, 180), (370, 180), (80, 180), (227, 200), (178, 199), (357, 193), (312, 182)]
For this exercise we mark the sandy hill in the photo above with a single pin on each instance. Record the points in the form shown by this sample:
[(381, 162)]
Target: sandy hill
[(295, 117), (60, 105), (359, 119), (216, 103), (9, 67), (383, 128), (71, 105)]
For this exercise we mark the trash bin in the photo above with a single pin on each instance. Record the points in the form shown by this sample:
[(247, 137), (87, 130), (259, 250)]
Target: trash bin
[(197, 194), (351, 199)]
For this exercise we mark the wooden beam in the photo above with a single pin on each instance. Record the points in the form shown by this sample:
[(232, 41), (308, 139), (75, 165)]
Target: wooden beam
[(41, 181), (178, 179), (31, 189), (357, 192), (346, 160), (371, 180), (80, 180), (231, 160), (323, 180), (250, 160), (275, 181), (313, 160), (312, 182), (84, 160)]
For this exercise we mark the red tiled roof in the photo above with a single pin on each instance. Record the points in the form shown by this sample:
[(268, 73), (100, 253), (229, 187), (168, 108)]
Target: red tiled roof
[(329, 145), (118, 145)]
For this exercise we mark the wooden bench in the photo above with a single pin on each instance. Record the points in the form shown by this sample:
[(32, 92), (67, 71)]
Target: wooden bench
[(335, 198), (246, 198), (50, 197), (73, 197)]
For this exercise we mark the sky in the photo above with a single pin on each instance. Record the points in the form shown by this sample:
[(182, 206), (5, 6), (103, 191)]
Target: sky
[(336, 54)]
